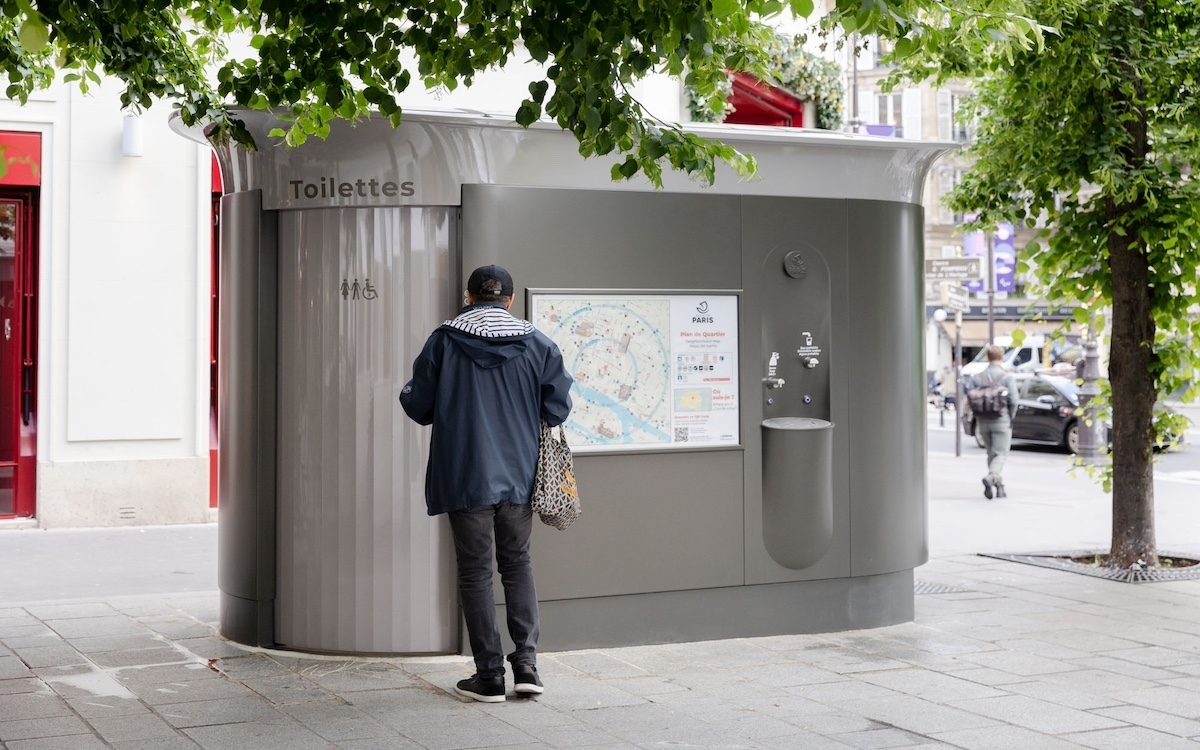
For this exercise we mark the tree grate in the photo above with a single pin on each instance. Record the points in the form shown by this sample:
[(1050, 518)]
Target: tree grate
[(1064, 561), (925, 587)]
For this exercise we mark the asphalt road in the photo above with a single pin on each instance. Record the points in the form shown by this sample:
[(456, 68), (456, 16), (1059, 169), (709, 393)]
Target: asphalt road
[(1051, 506)]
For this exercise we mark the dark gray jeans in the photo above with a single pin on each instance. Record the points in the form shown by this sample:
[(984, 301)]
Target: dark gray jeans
[(474, 529)]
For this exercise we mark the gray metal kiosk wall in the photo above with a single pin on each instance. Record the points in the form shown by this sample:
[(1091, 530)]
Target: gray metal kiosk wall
[(340, 257)]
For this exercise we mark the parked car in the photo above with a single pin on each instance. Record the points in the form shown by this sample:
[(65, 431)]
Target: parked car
[(1046, 412)]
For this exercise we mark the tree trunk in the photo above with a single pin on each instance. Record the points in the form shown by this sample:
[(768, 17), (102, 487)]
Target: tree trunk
[(1131, 354), (1133, 397)]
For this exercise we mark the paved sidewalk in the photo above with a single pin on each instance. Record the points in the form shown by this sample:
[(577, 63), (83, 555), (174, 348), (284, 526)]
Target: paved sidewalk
[(1000, 655), (1007, 656)]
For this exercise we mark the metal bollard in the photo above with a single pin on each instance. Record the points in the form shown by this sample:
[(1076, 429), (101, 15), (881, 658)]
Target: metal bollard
[(1093, 448)]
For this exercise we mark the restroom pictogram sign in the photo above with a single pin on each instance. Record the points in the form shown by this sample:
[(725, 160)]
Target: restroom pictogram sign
[(353, 290)]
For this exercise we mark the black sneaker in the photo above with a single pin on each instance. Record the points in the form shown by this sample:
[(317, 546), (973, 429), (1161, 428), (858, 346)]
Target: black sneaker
[(525, 679), (987, 487), (485, 689), (1000, 491)]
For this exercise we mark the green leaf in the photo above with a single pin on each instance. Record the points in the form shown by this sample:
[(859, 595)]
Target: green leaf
[(725, 8), (801, 8), (528, 113), (591, 118), (33, 35)]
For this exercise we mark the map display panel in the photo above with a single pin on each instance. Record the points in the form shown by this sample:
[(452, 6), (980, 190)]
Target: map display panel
[(650, 370)]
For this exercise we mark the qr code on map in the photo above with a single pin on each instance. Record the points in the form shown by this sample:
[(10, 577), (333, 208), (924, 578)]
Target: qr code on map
[(681, 434)]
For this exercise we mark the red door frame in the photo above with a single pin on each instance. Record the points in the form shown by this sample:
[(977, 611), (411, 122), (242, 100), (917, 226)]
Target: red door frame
[(20, 181), (215, 269)]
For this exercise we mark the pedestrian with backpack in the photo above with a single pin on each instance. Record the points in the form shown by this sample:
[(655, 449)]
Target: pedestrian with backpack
[(993, 400)]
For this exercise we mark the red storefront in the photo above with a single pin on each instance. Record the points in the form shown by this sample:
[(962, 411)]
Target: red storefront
[(758, 103), (20, 186)]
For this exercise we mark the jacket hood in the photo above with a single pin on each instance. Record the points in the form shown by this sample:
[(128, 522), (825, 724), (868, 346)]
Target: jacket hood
[(488, 334)]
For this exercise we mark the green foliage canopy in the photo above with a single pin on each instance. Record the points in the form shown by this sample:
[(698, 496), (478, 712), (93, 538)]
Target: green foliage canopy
[(1097, 136), (1056, 145), (320, 60)]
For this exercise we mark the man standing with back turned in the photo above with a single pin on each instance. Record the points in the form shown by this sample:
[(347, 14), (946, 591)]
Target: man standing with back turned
[(485, 380)]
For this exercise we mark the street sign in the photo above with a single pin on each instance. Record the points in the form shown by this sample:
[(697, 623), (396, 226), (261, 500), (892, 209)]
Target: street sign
[(955, 297), (957, 269)]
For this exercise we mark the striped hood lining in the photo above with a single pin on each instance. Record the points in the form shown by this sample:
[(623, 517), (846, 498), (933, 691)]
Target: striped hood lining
[(489, 322)]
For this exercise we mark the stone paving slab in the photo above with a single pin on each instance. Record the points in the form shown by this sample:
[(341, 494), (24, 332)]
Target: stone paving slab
[(1010, 656)]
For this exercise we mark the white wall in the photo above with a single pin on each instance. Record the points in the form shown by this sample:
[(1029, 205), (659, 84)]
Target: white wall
[(939, 347), (501, 92), (123, 372)]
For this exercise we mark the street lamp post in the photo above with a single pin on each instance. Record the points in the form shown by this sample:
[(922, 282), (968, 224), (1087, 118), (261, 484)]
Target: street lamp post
[(958, 384), (940, 315), (991, 287)]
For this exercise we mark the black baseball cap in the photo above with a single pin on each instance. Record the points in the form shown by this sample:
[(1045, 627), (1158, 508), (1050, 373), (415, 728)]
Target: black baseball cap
[(490, 273)]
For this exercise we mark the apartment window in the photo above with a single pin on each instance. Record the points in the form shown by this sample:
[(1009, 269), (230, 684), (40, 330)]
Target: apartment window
[(891, 110), (962, 130), (953, 124), (947, 179), (881, 49)]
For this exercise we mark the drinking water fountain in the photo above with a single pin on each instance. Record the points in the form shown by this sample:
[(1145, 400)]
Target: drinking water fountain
[(797, 432)]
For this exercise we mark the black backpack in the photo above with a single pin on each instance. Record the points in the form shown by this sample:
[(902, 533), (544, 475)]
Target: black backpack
[(988, 400)]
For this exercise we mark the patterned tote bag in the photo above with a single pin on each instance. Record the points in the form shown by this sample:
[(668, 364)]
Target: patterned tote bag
[(555, 494)]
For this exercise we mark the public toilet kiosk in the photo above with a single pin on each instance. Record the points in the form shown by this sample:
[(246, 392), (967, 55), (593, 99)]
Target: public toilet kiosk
[(749, 421)]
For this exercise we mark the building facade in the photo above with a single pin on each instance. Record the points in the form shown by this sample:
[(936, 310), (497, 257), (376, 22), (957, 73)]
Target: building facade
[(106, 371), (923, 112)]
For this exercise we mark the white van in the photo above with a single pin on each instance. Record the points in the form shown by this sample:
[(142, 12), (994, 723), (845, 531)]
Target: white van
[(1025, 358)]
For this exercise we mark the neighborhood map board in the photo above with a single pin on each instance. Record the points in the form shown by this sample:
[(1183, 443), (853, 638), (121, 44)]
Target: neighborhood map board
[(650, 370)]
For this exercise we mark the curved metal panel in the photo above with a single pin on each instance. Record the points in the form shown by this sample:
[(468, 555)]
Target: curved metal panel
[(431, 155), (362, 567), (246, 479), (886, 376)]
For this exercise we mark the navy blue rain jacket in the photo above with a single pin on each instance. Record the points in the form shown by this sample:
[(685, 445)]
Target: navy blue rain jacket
[(485, 380)]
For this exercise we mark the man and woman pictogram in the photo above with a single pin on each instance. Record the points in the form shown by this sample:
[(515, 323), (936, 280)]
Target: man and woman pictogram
[(356, 290)]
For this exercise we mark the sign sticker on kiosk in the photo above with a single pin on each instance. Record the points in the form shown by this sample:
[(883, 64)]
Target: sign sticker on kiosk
[(652, 370)]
